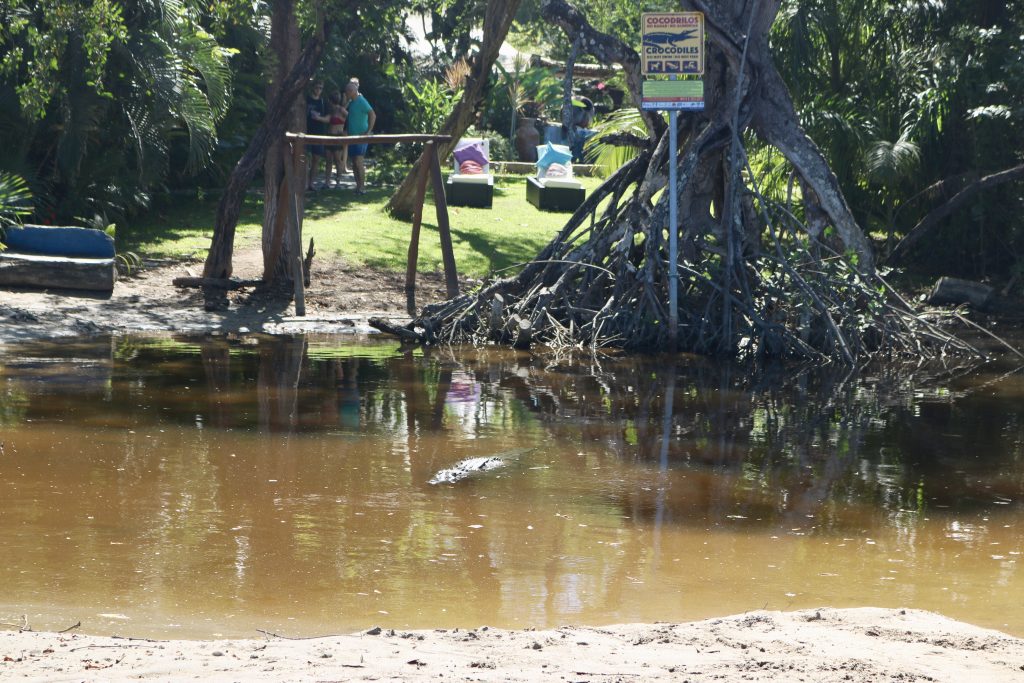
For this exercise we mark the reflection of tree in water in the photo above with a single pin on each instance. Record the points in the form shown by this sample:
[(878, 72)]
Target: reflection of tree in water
[(772, 445), (769, 444)]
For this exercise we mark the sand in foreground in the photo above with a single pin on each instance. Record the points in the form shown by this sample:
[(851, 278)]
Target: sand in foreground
[(864, 644)]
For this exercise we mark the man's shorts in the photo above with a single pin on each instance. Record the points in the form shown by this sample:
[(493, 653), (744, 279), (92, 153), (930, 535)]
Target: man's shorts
[(357, 150)]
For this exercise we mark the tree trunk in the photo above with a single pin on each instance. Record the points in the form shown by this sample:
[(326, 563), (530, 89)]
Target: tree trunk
[(936, 215), (497, 21), (271, 130), (607, 50), (278, 244)]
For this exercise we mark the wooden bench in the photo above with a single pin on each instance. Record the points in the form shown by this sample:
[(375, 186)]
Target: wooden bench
[(57, 257)]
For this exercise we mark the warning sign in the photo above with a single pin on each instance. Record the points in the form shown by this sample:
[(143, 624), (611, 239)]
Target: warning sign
[(672, 43)]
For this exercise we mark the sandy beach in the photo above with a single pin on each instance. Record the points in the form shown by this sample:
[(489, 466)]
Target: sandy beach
[(822, 645)]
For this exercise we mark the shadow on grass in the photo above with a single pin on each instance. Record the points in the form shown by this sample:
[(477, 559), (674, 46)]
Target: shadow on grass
[(190, 218), (328, 202), (498, 252)]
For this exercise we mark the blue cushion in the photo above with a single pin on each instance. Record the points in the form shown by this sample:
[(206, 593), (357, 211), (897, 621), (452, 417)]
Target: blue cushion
[(552, 154), (59, 241)]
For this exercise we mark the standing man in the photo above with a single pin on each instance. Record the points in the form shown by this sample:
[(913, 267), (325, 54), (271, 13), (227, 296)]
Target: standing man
[(361, 118), (316, 124)]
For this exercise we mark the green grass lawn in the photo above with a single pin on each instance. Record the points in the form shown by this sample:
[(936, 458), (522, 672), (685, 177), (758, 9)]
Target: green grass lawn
[(357, 229)]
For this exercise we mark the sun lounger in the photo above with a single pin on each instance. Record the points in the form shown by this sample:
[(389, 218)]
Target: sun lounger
[(471, 183), (554, 188)]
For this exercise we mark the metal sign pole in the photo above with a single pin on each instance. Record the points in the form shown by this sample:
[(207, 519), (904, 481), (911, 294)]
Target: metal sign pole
[(673, 230), (672, 43)]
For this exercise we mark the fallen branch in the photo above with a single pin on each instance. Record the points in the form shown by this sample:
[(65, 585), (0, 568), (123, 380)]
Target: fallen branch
[(1013, 349), (926, 224), (271, 634), (23, 626), (214, 282), (406, 334), (71, 628)]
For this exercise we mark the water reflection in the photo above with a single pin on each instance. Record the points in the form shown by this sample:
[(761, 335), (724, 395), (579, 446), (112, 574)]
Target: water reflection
[(214, 486)]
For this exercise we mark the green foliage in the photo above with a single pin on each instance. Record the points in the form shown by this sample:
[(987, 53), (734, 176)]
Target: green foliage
[(901, 96), (427, 106), (499, 145), (534, 91), (15, 199), (611, 157), (107, 94), (40, 38)]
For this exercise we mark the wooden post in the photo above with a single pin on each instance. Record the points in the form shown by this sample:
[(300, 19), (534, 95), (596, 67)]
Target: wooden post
[(451, 275), (414, 240), (295, 168)]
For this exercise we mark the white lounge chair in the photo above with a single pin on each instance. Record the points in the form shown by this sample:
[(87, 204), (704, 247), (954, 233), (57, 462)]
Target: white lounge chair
[(471, 189), (550, 192)]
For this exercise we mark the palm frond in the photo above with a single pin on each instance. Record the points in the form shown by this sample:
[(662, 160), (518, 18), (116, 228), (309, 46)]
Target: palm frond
[(611, 157), (890, 161), (15, 198)]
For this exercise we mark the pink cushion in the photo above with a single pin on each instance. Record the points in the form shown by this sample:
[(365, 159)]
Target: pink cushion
[(557, 171), (470, 167)]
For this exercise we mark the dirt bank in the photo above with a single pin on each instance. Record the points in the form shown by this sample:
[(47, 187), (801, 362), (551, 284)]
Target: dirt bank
[(340, 299), (812, 645)]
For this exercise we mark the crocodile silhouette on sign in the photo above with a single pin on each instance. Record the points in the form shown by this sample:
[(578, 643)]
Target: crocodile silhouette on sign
[(666, 38)]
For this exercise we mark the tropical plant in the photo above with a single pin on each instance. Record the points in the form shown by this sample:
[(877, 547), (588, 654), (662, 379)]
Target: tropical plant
[(15, 199), (910, 101), (429, 104), (600, 149), (137, 81)]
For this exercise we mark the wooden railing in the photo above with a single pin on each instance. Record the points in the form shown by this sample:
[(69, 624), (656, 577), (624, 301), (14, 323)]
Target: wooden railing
[(430, 164)]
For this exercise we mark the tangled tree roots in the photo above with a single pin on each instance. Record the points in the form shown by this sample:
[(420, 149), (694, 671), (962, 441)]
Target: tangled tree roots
[(604, 281), (753, 279)]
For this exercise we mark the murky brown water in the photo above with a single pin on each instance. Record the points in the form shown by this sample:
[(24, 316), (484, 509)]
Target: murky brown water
[(161, 488)]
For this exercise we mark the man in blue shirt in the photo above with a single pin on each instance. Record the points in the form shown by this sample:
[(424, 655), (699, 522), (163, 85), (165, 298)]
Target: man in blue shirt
[(361, 118)]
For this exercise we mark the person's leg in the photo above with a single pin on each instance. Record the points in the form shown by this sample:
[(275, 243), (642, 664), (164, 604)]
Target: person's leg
[(328, 163), (344, 159), (360, 171), (356, 154), (339, 166), (314, 163)]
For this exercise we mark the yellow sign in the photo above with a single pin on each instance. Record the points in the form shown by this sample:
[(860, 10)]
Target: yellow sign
[(672, 43)]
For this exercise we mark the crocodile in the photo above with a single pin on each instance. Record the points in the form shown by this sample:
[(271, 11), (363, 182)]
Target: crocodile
[(470, 466)]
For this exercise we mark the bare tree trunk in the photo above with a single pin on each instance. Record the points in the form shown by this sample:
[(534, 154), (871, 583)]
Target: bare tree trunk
[(497, 21), (275, 122), (285, 46), (926, 224), (607, 50)]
